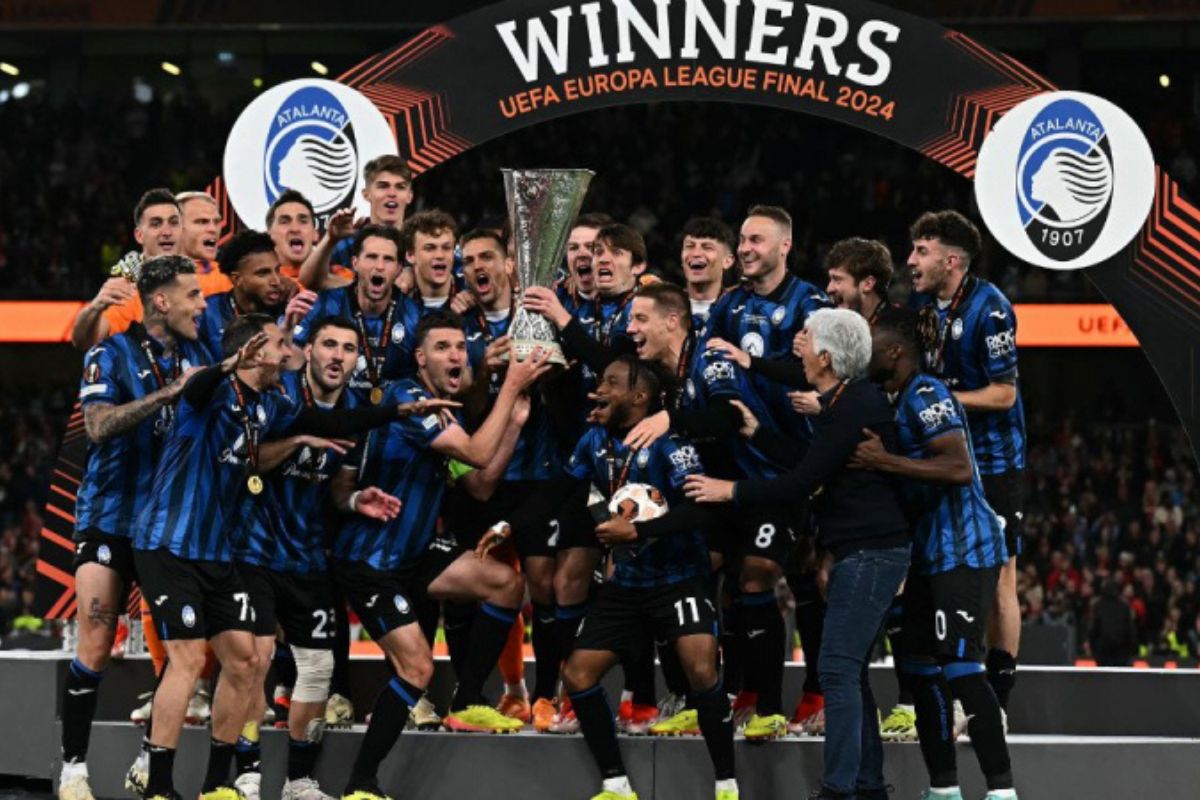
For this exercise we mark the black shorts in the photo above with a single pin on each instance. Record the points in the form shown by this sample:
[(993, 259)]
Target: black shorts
[(1005, 493), (385, 601), (620, 618), (193, 599), (302, 605), (538, 539), (945, 615), (576, 528), (765, 531), (115, 552)]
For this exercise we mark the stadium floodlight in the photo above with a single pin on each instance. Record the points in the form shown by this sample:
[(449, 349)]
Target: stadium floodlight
[(3, 96), (257, 83), (9, 69), (225, 57), (1164, 81), (20, 90), (319, 68), (142, 91), (171, 69)]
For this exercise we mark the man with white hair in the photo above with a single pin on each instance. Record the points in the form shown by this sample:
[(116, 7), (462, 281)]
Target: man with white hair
[(860, 523)]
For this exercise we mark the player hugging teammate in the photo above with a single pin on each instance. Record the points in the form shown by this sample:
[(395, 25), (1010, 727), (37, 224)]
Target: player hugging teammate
[(284, 438)]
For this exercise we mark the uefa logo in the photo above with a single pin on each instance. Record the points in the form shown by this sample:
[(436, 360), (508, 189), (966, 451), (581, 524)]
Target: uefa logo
[(312, 136), (1065, 180)]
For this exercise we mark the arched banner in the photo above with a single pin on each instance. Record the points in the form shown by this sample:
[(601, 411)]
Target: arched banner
[(936, 91)]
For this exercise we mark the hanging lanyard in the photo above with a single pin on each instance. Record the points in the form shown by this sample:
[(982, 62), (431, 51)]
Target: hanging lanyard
[(947, 323), (253, 482), (837, 394), (606, 326), (176, 365), (615, 480), (374, 359)]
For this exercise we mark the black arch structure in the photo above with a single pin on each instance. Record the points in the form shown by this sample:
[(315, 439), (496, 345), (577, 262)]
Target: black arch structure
[(456, 85)]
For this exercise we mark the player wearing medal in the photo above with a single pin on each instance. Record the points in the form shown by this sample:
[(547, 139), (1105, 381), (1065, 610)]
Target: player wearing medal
[(185, 535), (755, 324), (708, 387), (958, 550), (657, 582), (971, 344), (382, 566), (386, 319), (250, 261), (128, 391), (280, 551), (594, 332), (157, 230)]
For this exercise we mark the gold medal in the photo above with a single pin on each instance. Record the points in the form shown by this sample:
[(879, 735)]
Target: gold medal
[(376, 395), (255, 484)]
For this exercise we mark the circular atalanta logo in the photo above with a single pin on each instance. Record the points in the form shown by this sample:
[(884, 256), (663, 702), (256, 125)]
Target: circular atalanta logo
[(401, 603), (398, 333), (310, 135), (778, 315), (103, 554), (752, 343), (1065, 180), (189, 617)]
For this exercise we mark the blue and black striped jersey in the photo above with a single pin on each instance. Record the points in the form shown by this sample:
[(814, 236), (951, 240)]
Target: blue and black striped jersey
[(601, 458), (284, 528), (201, 478), (536, 457), (978, 342), (954, 525), (606, 319), (393, 360), (399, 460), (713, 375), (764, 326), (120, 470)]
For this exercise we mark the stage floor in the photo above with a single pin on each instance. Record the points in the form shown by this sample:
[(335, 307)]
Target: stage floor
[(1077, 733)]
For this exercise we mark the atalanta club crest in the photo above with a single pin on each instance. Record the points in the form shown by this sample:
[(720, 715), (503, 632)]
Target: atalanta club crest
[(310, 135), (311, 148), (1065, 180)]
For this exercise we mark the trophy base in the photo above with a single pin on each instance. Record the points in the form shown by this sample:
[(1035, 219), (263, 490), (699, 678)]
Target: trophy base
[(521, 349)]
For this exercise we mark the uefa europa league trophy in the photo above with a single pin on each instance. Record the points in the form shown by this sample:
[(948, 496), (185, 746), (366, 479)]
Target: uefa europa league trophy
[(542, 204)]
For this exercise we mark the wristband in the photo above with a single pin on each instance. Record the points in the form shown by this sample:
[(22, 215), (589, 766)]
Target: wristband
[(352, 503)]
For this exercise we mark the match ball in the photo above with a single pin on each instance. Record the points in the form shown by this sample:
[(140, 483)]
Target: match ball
[(638, 502)]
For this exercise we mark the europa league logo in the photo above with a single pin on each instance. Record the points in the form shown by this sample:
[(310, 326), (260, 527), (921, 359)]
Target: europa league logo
[(542, 205)]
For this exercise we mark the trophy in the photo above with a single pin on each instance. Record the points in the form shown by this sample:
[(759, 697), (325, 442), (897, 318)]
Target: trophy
[(542, 204), (130, 266)]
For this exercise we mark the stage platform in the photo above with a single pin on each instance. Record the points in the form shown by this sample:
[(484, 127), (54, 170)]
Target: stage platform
[(1076, 733)]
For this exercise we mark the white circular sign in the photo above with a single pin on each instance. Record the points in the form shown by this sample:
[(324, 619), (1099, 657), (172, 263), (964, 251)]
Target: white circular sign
[(310, 135), (1065, 180)]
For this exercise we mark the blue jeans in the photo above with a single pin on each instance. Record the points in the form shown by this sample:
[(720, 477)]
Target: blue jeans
[(861, 588)]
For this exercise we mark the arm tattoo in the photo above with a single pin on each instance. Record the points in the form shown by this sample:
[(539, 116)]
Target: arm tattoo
[(105, 421), (100, 615)]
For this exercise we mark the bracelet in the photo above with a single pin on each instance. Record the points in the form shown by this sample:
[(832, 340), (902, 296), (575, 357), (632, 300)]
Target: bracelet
[(352, 503)]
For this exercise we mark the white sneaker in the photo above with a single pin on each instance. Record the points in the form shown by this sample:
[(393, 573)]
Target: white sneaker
[(303, 789), (339, 711), (566, 723), (268, 719), (138, 774), (73, 782), (424, 716), (199, 710), (249, 784), (141, 714)]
